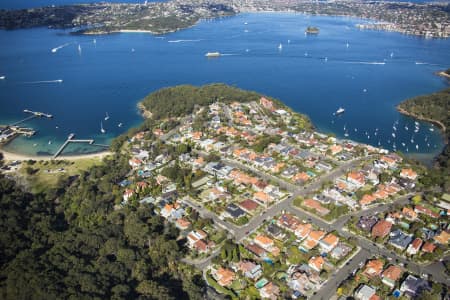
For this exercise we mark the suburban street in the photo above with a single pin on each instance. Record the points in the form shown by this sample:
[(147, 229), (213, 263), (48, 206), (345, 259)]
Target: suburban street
[(368, 248)]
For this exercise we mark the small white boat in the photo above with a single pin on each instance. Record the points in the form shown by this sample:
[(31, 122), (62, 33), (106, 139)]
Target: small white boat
[(347, 45), (403, 144), (428, 145), (395, 128), (94, 41), (245, 23), (326, 59), (34, 145), (431, 129), (392, 54), (56, 126), (356, 129), (417, 147), (2, 77), (119, 125), (106, 117), (339, 111), (280, 47), (79, 48), (365, 90), (407, 150), (393, 135), (346, 134), (49, 142), (132, 50), (406, 128)]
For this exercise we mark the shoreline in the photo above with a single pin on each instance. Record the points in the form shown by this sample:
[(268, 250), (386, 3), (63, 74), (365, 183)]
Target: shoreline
[(11, 156), (439, 123), (443, 74), (143, 111)]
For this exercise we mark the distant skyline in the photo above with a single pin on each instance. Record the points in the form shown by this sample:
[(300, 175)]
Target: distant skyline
[(18, 4)]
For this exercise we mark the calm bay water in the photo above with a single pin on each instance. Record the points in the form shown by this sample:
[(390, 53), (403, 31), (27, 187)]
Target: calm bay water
[(314, 75)]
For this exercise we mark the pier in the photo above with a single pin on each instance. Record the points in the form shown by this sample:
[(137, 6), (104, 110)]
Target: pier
[(70, 139)]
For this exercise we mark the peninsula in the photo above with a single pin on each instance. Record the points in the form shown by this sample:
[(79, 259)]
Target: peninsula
[(423, 19), (225, 191)]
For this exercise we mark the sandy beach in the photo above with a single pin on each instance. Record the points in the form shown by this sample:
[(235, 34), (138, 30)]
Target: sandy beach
[(15, 156)]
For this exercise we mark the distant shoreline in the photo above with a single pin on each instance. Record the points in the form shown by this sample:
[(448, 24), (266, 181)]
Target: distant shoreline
[(10, 156)]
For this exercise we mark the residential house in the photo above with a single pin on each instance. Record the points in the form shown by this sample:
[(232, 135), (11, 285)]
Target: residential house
[(367, 222), (373, 268), (399, 239), (269, 291), (255, 249), (127, 195), (195, 236), (312, 240), (250, 269), (316, 263), (248, 206), (303, 230), (381, 229), (329, 242), (264, 242), (365, 292), (262, 198), (224, 276), (315, 205), (182, 224), (409, 213), (413, 286), (356, 178), (408, 173), (442, 238), (340, 251), (391, 275), (233, 211), (275, 231), (423, 210), (202, 247), (428, 247), (414, 247)]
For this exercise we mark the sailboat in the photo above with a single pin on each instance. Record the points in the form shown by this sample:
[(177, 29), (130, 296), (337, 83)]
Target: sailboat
[(431, 129), (107, 117), (102, 130), (49, 142), (403, 144), (392, 54), (79, 48), (393, 135), (346, 134), (347, 45), (119, 125), (406, 128), (417, 147), (280, 47)]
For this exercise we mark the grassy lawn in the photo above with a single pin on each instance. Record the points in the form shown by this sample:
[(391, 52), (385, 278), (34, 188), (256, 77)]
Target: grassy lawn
[(46, 174)]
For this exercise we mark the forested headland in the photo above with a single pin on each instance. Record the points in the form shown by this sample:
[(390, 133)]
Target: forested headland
[(434, 108)]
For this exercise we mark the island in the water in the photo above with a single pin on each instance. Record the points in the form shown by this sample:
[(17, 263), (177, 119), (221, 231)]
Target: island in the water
[(424, 19), (312, 30)]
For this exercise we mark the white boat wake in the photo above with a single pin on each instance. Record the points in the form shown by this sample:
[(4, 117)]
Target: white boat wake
[(54, 50), (183, 41), (44, 81), (366, 62)]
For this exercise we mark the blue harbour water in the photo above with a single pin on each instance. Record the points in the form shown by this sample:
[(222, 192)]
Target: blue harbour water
[(314, 75)]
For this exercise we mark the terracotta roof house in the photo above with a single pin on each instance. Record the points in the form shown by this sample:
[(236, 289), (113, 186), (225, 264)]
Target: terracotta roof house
[(391, 275), (316, 263), (303, 230), (264, 242), (428, 247), (250, 269), (367, 199), (288, 221), (442, 238), (373, 268), (267, 104), (255, 249), (409, 213), (414, 247), (312, 240), (408, 173), (182, 224), (315, 205), (357, 178), (423, 210), (223, 276), (248, 205), (262, 198), (269, 291), (329, 242), (381, 228)]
